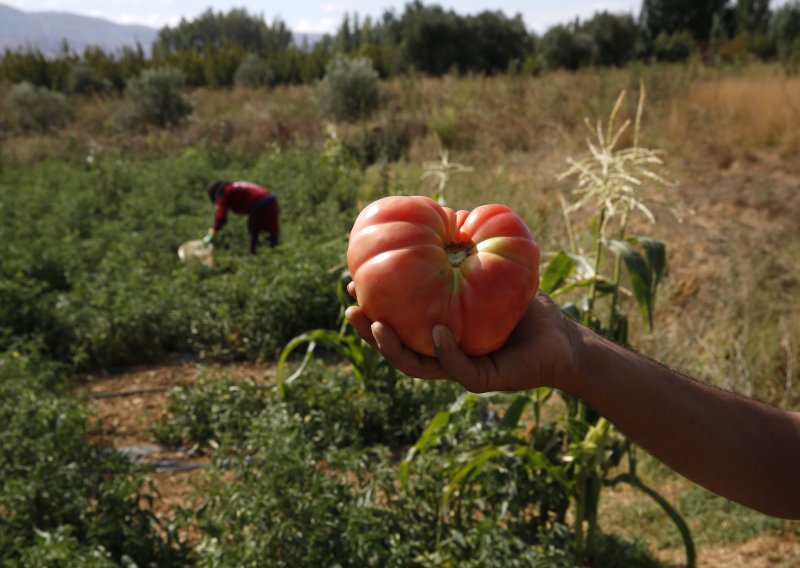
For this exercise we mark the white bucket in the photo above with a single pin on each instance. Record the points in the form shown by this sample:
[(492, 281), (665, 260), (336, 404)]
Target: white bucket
[(196, 252)]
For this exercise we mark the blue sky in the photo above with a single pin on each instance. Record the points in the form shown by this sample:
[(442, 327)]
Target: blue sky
[(313, 16)]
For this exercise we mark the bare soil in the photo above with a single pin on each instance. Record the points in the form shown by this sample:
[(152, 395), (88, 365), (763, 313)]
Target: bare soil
[(129, 403)]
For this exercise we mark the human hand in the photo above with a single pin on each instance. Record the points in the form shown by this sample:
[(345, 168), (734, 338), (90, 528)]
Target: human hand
[(208, 240), (539, 351)]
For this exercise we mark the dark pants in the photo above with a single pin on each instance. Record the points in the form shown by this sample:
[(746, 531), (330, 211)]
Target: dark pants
[(264, 218)]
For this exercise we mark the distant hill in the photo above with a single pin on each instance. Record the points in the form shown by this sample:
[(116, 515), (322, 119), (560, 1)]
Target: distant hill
[(47, 30)]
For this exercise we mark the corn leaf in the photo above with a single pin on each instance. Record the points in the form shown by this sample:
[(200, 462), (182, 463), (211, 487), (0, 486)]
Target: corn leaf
[(639, 275), (556, 272), (514, 412)]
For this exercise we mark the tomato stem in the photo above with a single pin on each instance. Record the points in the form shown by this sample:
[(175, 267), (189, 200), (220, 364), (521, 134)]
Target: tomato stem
[(457, 253)]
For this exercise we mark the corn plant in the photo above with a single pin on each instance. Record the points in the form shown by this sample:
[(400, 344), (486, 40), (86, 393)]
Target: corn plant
[(441, 172), (581, 449)]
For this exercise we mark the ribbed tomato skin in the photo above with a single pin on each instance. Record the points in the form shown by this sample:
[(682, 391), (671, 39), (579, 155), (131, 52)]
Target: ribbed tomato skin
[(398, 258)]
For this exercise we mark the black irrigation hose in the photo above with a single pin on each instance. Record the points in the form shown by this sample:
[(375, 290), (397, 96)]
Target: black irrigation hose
[(132, 392)]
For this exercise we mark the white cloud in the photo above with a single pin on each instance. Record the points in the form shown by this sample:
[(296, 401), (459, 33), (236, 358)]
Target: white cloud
[(337, 8), (155, 20), (321, 26)]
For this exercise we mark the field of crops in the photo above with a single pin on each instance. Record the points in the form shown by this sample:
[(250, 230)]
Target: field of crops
[(108, 341)]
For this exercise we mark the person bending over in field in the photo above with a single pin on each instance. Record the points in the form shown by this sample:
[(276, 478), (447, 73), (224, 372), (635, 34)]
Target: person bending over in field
[(258, 203), (741, 449)]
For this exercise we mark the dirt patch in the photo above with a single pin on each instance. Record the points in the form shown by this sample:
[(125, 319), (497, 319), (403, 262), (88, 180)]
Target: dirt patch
[(127, 404), (766, 551)]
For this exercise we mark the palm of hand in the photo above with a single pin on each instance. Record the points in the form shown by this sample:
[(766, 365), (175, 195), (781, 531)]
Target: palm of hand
[(537, 353)]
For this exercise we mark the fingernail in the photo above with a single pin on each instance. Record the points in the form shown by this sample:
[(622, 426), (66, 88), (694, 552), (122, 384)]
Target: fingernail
[(375, 326), (437, 336)]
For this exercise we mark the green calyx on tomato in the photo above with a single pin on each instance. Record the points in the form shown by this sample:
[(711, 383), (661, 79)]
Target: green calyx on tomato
[(417, 264)]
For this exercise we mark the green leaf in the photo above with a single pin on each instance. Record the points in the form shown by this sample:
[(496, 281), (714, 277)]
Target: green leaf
[(583, 266), (556, 271), (346, 346), (479, 457), (656, 253), (429, 436), (639, 276), (602, 286), (514, 412)]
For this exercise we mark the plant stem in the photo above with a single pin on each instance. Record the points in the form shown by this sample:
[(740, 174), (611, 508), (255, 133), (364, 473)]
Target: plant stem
[(677, 519), (612, 312), (598, 254), (580, 503)]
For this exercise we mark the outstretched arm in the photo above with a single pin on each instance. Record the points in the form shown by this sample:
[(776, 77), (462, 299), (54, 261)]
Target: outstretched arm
[(742, 449), (736, 447)]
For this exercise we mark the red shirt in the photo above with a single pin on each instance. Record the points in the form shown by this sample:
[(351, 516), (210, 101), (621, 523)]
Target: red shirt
[(238, 197)]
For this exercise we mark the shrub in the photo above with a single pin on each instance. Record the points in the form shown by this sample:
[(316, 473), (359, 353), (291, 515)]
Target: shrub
[(614, 37), (388, 141), (66, 498), (82, 80), (286, 500), (784, 33), (157, 97), (349, 90), (254, 72), (216, 410), (447, 128), (673, 47), (565, 48), (38, 108)]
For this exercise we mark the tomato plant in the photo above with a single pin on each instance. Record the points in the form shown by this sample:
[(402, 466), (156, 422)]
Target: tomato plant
[(417, 264)]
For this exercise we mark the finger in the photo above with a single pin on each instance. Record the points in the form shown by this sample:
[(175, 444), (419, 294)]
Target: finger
[(361, 323), (406, 360), (351, 289), (456, 363)]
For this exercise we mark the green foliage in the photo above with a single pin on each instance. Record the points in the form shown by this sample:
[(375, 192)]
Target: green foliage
[(349, 90), (385, 140), (784, 32), (31, 66), (157, 97), (435, 41), (90, 270), (675, 16), (209, 49), (446, 126), (565, 47), (118, 67), (614, 36), (60, 547), (291, 497), (221, 63), (38, 108), (216, 411), (210, 31), (83, 80), (752, 16), (605, 40), (64, 496), (674, 47), (254, 72)]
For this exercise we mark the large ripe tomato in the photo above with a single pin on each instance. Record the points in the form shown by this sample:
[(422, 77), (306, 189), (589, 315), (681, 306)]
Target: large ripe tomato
[(417, 264)]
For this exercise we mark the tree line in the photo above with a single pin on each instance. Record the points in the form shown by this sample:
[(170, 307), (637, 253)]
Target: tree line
[(221, 49)]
